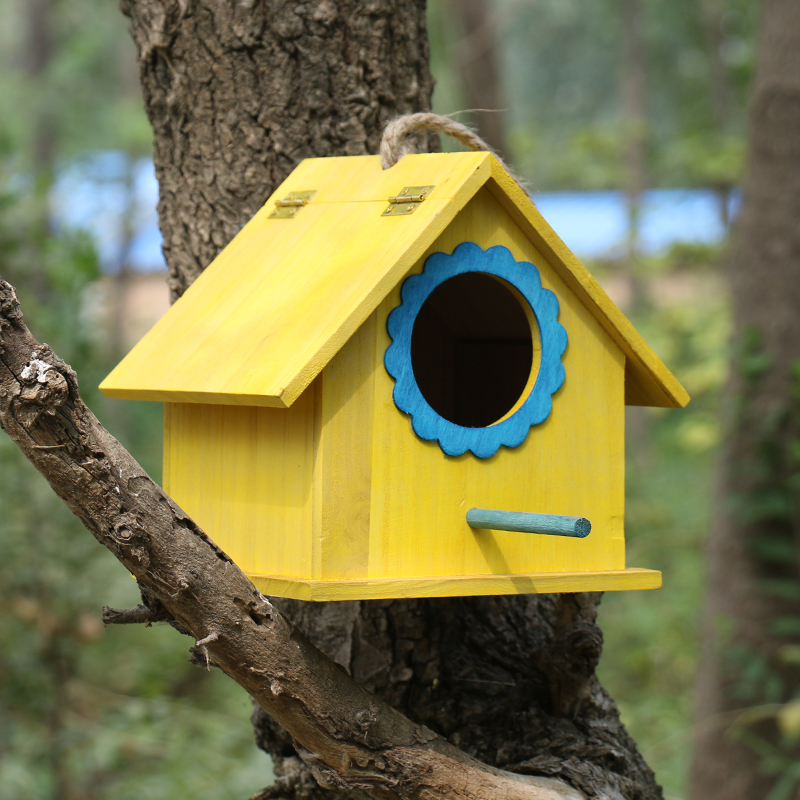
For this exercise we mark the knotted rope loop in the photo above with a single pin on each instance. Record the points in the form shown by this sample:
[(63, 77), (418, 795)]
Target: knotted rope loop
[(395, 142)]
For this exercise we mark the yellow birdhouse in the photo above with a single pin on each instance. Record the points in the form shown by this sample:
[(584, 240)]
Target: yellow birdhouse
[(401, 383)]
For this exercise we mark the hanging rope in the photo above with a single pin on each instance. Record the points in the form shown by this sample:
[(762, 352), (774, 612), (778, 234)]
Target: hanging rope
[(395, 142)]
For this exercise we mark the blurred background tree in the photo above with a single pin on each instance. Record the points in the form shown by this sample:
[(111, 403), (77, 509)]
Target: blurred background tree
[(625, 96), (748, 699)]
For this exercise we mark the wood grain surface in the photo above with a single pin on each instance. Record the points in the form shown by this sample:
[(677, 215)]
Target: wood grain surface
[(286, 294)]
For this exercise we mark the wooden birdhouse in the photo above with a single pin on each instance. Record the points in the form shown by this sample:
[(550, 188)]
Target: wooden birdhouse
[(401, 383)]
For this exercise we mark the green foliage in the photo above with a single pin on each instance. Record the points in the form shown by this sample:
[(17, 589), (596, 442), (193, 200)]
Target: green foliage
[(562, 67), (590, 159), (685, 258), (651, 645), (87, 712), (85, 96), (651, 639), (766, 478), (777, 761), (703, 158)]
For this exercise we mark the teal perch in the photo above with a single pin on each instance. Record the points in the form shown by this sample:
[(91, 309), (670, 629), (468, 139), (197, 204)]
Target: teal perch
[(551, 524)]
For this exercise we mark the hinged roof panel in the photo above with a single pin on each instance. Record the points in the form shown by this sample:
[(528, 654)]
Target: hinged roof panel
[(282, 298)]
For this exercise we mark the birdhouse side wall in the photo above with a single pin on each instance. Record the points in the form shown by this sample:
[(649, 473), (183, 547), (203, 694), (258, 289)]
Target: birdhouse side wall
[(245, 474)]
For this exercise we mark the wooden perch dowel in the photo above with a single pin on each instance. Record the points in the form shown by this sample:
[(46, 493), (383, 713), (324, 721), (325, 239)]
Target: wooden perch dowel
[(350, 739), (550, 524)]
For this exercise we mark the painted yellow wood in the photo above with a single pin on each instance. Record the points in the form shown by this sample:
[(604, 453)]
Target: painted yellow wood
[(283, 489), (285, 295), (648, 381), (365, 500), (533, 583), (245, 476), (343, 470), (335, 497), (360, 178), (572, 464)]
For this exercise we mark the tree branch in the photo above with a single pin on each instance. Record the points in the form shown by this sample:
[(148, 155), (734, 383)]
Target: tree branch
[(128, 616), (348, 738)]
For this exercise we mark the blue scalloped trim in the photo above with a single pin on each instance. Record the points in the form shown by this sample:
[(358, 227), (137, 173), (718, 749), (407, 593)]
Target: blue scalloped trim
[(511, 432)]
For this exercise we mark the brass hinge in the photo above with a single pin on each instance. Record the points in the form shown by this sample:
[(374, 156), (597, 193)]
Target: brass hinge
[(291, 204), (407, 201)]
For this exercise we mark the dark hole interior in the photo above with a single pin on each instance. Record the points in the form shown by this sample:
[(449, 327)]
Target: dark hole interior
[(472, 349)]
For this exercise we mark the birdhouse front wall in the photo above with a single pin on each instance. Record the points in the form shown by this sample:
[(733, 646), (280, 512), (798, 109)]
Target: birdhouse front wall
[(571, 464), (338, 489)]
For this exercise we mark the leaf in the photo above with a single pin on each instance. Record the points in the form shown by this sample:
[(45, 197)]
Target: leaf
[(788, 718), (790, 654)]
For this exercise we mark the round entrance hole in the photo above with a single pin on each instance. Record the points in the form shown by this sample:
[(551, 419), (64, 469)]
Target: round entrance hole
[(472, 349)]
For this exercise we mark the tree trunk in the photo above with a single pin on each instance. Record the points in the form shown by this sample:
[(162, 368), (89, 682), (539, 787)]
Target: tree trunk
[(722, 92), (38, 55), (634, 122), (633, 86), (752, 612), (480, 73), (237, 94)]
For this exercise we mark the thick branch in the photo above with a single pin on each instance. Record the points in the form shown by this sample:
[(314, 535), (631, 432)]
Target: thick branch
[(349, 738)]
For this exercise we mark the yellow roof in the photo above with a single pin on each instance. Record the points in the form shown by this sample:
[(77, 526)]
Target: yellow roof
[(282, 298)]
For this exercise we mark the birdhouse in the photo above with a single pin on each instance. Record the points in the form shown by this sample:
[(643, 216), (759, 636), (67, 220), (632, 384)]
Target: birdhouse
[(401, 383)]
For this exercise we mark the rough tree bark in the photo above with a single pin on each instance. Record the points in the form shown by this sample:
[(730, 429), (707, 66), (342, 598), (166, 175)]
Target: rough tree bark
[(237, 94), (753, 605)]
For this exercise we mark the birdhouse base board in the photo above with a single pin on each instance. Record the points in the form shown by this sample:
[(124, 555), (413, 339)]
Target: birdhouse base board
[(458, 586)]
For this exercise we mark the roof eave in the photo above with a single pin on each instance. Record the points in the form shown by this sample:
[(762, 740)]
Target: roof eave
[(648, 382)]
